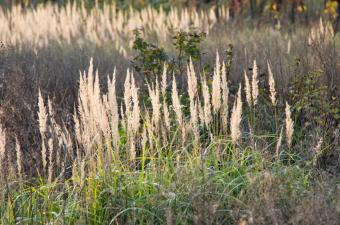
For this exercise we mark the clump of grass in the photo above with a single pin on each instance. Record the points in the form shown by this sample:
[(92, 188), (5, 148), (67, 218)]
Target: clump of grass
[(124, 169)]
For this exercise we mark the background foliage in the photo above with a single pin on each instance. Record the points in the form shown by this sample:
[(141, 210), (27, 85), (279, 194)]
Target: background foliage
[(256, 10)]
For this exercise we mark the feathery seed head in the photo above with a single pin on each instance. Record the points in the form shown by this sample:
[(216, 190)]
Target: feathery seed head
[(19, 156), (2, 143), (216, 88), (176, 102), (207, 105), (113, 108), (289, 125), (164, 80), (166, 114), (255, 87), (236, 116), (225, 96), (154, 94), (271, 82), (247, 89), (42, 115), (192, 82)]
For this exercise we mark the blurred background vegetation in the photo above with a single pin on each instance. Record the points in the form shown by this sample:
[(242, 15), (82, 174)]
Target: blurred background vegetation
[(284, 10)]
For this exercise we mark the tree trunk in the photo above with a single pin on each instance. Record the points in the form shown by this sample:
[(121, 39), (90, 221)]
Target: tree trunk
[(337, 20), (217, 8), (252, 8), (292, 12)]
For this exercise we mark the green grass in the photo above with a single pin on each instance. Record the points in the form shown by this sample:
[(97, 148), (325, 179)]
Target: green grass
[(177, 185)]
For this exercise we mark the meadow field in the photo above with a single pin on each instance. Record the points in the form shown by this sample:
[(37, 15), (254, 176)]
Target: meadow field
[(169, 114)]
